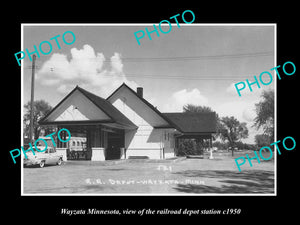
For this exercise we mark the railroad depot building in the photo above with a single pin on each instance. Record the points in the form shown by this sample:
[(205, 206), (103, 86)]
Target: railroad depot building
[(125, 125)]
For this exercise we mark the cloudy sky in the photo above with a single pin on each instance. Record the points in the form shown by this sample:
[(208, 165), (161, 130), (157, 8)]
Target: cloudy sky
[(196, 63)]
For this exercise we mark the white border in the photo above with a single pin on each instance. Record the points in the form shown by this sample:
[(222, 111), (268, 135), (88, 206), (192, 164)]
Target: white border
[(151, 24), (22, 111), (275, 108)]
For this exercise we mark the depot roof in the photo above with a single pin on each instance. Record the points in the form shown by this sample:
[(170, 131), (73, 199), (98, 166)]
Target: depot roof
[(194, 122), (112, 112)]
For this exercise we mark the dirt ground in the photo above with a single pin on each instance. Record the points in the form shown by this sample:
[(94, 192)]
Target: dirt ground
[(181, 176)]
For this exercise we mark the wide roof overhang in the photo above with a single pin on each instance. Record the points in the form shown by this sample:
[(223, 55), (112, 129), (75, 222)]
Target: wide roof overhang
[(78, 114), (105, 123)]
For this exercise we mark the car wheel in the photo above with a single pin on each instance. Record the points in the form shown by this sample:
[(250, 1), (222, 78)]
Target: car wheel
[(42, 164), (59, 162)]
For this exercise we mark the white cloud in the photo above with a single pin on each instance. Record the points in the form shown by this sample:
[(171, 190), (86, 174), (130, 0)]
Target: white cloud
[(62, 88), (85, 68), (246, 91), (231, 89), (192, 97), (249, 113), (116, 63), (183, 97), (244, 111)]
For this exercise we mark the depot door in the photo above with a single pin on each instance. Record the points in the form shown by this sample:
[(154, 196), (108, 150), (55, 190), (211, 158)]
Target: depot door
[(115, 141)]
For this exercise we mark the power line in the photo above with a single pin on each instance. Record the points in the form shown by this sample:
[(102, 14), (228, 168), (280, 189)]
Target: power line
[(182, 58), (161, 76), (183, 77), (204, 57), (187, 77), (164, 76)]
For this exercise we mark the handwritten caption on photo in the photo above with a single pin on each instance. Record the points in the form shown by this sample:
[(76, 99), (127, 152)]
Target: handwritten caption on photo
[(97, 181)]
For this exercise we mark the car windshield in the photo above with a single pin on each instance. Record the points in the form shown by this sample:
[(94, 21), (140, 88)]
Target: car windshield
[(41, 146), (41, 150), (42, 143)]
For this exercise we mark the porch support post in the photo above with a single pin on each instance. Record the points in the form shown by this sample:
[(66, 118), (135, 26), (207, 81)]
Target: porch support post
[(61, 148), (98, 154), (122, 149), (123, 153), (63, 152), (210, 147), (98, 151)]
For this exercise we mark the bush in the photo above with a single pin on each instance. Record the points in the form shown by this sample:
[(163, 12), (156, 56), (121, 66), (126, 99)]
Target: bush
[(220, 145), (189, 147)]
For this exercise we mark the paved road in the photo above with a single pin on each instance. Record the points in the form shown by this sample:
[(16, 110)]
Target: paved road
[(189, 176)]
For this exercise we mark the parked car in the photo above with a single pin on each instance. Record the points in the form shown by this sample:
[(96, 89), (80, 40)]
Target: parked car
[(50, 156), (234, 148)]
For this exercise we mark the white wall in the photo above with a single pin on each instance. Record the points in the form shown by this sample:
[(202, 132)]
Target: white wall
[(146, 140), (168, 142), (135, 109), (150, 143), (77, 107)]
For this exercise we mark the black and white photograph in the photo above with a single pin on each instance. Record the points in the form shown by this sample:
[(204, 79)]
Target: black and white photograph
[(175, 115), (149, 112)]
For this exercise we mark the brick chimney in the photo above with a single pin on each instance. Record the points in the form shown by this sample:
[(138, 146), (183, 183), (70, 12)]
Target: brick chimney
[(139, 92)]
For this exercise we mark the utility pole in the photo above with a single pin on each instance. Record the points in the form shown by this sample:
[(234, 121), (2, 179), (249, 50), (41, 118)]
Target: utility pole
[(31, 136)]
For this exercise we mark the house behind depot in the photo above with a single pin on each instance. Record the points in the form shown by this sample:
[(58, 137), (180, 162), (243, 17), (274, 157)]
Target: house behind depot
[(125, 125)]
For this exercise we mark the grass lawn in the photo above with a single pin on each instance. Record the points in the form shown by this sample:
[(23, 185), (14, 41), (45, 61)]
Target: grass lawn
[(188, 176)]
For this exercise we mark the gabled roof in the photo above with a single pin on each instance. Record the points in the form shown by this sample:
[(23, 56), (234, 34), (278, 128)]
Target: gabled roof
[(187, 123), (113, 113), (108, 108), (194, 122), (171, 125)]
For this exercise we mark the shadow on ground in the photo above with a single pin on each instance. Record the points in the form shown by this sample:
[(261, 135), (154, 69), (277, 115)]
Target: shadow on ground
[(252, 181)]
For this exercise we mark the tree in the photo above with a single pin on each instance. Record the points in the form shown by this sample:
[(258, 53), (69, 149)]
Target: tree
[(196, 108), (40, 109), (262, 140), (190, 108), (220, 145), (265, 113), (239, 145), (187, 147), (200, 143), (232, 130)]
